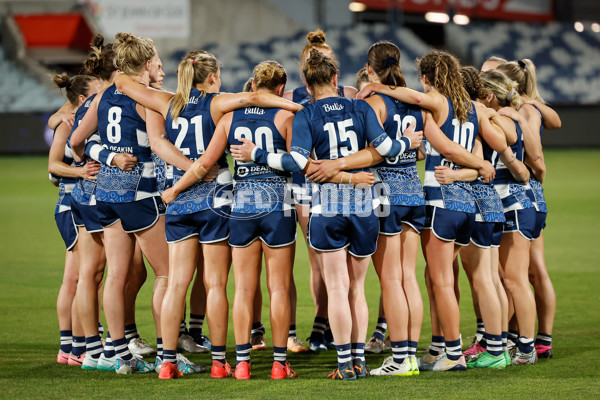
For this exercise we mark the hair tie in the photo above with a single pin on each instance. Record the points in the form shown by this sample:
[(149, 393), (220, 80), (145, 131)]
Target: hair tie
[(193, 61), (510, 94), (522, 65), (389, 61), (316, 40)]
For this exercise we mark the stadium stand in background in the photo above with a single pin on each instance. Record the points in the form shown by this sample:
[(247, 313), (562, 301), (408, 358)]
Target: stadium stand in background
[(350, 45), (15, 81), (568, 62)]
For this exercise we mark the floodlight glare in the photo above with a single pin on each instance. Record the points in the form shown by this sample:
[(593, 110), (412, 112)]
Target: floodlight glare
[(461, 19), (437, 17), (355, 6)]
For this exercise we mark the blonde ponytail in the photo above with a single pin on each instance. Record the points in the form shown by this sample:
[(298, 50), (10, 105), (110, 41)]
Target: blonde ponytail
[(193, 70), (185, 79), (505, 90), (523, 72)]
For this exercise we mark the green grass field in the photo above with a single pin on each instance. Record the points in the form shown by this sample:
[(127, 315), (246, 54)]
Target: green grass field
[(31, 265)]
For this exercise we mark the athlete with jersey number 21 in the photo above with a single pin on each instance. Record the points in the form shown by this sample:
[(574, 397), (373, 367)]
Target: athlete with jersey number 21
[(196, 213)]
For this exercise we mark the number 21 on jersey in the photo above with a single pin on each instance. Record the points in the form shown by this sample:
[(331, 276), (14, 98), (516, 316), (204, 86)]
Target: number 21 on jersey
[(183, 124)]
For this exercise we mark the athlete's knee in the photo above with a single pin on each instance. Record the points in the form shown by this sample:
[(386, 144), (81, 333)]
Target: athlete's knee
[(215, 284), (161, 283), (514, 285)]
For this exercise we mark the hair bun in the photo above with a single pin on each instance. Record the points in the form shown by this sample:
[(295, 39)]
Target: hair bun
[(316, 37), (63, 80), (124, 37), (98, 41)]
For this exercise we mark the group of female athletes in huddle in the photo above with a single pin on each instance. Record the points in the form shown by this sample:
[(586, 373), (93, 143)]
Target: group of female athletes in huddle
[(355, 191)]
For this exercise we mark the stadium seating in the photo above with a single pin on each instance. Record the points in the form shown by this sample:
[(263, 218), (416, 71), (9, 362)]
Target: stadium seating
[(567, 62), (350, 46), (21, 92)]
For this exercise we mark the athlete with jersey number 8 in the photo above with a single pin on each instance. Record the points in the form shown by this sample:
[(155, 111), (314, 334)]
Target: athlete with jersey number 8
[(128, 202)]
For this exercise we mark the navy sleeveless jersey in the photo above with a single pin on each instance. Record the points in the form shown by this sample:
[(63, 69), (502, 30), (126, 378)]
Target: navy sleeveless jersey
[(301, 96), (536, 192), (65, 184), (456, 196), (331, 128), (84, 191), (399, 175), (511, 192), (258, 188), (489, 204), (191, 133), (122, 130)]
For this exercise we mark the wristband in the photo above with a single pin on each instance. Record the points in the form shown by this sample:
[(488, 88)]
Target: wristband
[(253, 154), (199, 170), (406, 139)]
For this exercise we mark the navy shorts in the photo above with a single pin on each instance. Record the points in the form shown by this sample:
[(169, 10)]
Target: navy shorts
[(135, 216), (522, 221), (540, 223), (275, 229), (450, 225), (162, 208), (86, 216), (497, 235), (392, 223), (209, 225), (487, 234), (66, 227), (358, 233)]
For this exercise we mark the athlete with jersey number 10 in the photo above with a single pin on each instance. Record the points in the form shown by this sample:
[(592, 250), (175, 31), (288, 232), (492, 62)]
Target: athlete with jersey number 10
[(450, 212)]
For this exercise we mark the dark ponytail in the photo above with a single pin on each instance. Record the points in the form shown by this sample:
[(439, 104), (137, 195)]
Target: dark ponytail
[(384, 59)]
